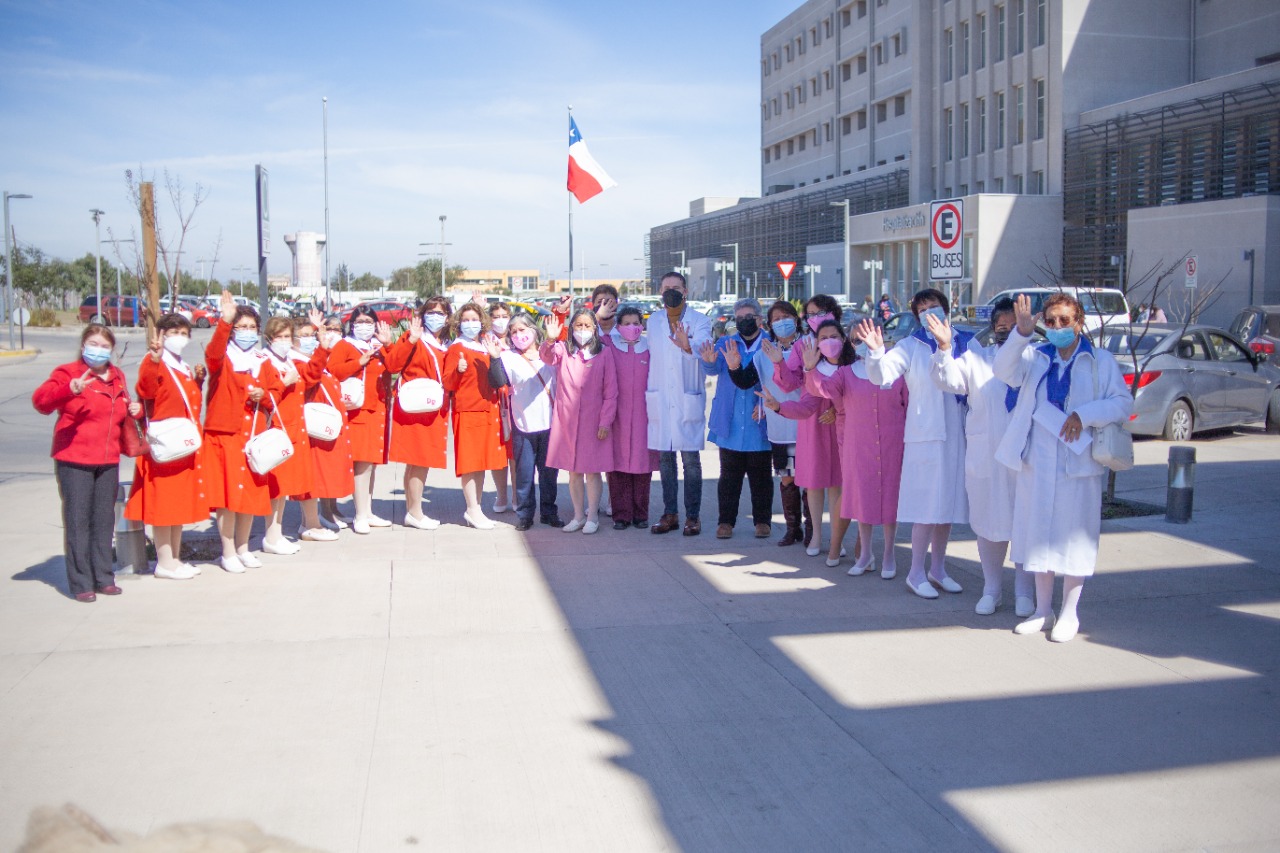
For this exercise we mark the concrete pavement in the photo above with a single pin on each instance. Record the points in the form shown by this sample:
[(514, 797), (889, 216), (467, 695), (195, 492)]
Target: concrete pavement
[(473, 690)]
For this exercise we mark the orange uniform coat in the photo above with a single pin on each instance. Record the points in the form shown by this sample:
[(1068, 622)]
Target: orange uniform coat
[(477, 429), (367, 424), (170, 493), (418, 439)]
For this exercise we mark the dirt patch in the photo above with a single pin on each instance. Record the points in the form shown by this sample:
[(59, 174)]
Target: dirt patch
[(1117, 508)]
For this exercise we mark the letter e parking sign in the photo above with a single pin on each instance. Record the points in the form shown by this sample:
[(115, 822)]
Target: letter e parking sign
[(946, 249)]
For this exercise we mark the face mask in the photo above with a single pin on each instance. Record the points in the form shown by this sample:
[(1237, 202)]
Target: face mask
[(500, 325), (1061, 338), (245, 338), (522, 339), (831, 347), (936, 311), (672, 298), (630, 334), (862, 350), (281, 348), (176, 343), (362, 331), (308, 345), (469, 329), (748, 327), (433, 322), (784, 328), (95, 356), (1000, 337), (583, 336), (818, 319)]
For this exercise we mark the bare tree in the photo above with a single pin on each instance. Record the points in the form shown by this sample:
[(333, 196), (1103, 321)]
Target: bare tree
[(168, 246)]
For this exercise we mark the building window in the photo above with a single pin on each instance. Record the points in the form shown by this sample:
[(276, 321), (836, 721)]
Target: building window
[(776, 62), (1017, 184), (980, 42), (800, 46), (1037, 182), (790, 100), (844, 18), (846, 71), (948, 53), (964, 48), (791, 147), (813, 86), (803, 138), (982, 186), (981, 120), (862, 63), (899, 47), (862, 119), (826, 79), (846, 126), (862, 8), (898, 158), (1040, 115), (882, 112), (766, 155), (764, 67), (777, 151), (964, 131), (1018, 42), (776, 109), (1042, 14), (813, 36), (900, 106), (948, 135), (826, 28), (879, 53), (1019, 116), (826, 131), (999, 185), (999, 117), (999, 34), (946, 192), (964, 189)]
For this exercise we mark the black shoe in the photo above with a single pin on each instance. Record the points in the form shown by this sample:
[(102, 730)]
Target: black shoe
[(553, 522), (640, 523), (524, 524), (621, 525)]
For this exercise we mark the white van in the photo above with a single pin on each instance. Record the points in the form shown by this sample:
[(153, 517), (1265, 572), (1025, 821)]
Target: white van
[(1103, 306)]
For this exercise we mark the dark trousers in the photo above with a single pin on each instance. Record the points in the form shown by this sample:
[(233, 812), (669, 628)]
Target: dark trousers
[(757, 466), (529, 453), (88, 522), (692, 463), (629, 494)]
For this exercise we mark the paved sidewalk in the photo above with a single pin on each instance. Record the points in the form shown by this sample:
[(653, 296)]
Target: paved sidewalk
[(472, 690)]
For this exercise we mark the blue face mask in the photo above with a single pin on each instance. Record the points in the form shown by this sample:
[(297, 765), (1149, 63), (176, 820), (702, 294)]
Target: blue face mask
[(245, 338), (784, 328), (470, 329), (308, 345), (1061, 338), (862, 350), (935, 311), (433, 322), (95, 356)]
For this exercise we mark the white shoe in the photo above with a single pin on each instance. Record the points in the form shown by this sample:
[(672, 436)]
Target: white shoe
[(574, 526), (249, 560), (283, 548), (426, 522), (814, 551), (181, 573), (946, 584), (590, 527), (233, 565), (331, 525), (360, 526), (1035, 625), (987, 605), (376, 521), (831, 564), (1063, 632), (606, 510), (924, 590), (478, 521), (889, 571), (499, 508), (191, 567), (318, 534), (860, 569), (1023, 607)]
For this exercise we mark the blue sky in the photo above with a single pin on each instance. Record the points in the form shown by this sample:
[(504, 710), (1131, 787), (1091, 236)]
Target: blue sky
[(434, 108)]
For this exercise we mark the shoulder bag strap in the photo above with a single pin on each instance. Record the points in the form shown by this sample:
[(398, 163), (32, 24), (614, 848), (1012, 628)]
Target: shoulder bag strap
[(181, 391)]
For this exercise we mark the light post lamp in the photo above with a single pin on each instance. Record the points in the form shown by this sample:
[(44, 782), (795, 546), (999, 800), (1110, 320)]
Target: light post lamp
[(682, 269), (872, 267), (845, 283), (751, 279), (441, 244), (811, 270), (735, 266), (242, 269), (8, 263), (97, 256), (723, 267)]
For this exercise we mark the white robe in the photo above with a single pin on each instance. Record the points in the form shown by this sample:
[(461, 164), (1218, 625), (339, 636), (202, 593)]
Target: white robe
[(989, 485), (933, 452), (1057, 507), (676, 397)]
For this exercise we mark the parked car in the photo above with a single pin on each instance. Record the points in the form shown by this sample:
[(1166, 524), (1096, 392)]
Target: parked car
[(1259, 327), (529, 309), (1194, 378), (901, 325), (115, 311), (388, 311), (201, 317), (1103, 306), (645, 308)]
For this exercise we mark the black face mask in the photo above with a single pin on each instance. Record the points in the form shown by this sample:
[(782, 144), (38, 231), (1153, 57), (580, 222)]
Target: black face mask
[(748, 327), (1000, 337), (672, 298)]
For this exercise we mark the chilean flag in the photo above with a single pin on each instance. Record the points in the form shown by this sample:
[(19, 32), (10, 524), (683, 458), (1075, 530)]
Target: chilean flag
[(586, 178)]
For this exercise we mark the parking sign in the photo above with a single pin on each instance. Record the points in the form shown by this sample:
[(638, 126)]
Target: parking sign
[(946, 251)]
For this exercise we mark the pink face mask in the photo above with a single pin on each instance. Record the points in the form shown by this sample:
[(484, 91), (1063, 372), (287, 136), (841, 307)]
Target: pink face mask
[(630, 334), (522, 339), (831, 347), (818, 319)]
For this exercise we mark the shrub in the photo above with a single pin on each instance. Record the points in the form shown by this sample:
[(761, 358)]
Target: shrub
[(44, 317)]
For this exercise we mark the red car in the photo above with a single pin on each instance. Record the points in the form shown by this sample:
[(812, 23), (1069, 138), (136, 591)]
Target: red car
[(388, 311)]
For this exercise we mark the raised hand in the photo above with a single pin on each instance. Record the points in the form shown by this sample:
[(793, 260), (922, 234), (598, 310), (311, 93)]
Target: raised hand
[(708, 352), (462, 363), (1022, 315), (566, 304), (607, 307), (871, 335), (329, 340), (290, 374), (553, 327), (732, 356), (772, 351), (493, 345), (768, 400), (199, 372), (415, 329), (941, 331), (155, 348), (680, 337), (78, 385), (382, 333), (227, 305), (479, 298), (812, 355), (316, 318), (602, 433)]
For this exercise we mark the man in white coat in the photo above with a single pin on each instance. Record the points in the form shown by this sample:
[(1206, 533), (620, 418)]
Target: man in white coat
[(676, 399)]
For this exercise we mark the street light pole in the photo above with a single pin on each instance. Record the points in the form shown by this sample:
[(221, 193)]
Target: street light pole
[(735, 266), (873, 266), (328, 299), (8, 263), (848, 289), (97, 257)]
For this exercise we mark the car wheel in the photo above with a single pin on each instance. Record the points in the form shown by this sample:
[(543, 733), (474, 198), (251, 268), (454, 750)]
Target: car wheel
[(202, 323), (1179, 423), (1273, 414)]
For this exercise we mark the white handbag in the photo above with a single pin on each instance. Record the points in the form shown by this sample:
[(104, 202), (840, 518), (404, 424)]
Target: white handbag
[(1112, 445), (268, 448), (421, 395), (353, 391), (323, 420), (171, 439)]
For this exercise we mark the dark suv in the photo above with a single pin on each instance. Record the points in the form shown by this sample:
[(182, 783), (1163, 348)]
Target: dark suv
[(1259, 327)]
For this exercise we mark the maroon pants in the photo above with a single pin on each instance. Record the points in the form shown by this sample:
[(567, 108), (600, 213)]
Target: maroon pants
[(629, 495)]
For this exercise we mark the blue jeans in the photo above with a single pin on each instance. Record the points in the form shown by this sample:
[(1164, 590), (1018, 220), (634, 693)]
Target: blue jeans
[(692, 463), (529, 453)]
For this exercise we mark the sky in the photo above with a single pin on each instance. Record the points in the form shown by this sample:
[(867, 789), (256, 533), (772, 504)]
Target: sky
[(456, 109)]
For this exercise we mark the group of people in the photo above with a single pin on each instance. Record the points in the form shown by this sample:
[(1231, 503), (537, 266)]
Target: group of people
[(937, 431)]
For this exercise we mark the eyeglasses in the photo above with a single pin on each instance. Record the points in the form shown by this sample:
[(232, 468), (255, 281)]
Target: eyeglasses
[(1057, 322)]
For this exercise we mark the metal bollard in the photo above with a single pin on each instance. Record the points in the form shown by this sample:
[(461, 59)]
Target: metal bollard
[(131, 539), (1182, 484)]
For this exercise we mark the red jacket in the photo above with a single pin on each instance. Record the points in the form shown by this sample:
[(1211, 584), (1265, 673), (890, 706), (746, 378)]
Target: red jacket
[(89, 423)]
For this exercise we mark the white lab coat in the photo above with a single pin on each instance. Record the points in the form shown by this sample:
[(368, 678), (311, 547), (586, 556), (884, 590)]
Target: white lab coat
[(933, 453), (989, 485), (1057, 507), (676, 397), (781, 430)]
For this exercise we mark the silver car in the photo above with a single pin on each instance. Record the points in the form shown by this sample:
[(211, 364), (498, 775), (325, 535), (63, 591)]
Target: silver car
[(1193, 378)]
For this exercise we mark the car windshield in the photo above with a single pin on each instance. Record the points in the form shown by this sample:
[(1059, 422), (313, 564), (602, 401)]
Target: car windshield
[(1103, 303), (1126, 343)]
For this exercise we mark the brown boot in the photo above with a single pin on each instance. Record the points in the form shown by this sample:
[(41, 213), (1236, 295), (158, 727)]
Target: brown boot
[(666, 524), (791, 514)]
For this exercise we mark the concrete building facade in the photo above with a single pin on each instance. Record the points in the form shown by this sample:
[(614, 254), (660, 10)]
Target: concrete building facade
[(307, 248)]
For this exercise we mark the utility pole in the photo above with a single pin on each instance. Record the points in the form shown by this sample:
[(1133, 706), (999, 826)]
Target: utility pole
[(147, 205), (97, 258)]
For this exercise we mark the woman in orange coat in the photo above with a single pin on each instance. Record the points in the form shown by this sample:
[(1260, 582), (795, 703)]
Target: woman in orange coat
[(418, 438), (360, 354), (477, 430), (168, 495), (241, 385), (330, 460)]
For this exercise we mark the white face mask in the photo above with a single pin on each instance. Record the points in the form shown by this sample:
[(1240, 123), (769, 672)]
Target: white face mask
[(500, 325), (176, 344), (281, 348), (308, 345), (583, 336), (363, 331)]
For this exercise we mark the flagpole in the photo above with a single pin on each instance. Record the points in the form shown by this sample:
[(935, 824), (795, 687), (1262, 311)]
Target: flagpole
[(571, 217)]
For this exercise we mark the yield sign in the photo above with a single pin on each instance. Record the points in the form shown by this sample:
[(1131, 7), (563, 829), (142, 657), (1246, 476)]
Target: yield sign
[(786, 268)]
